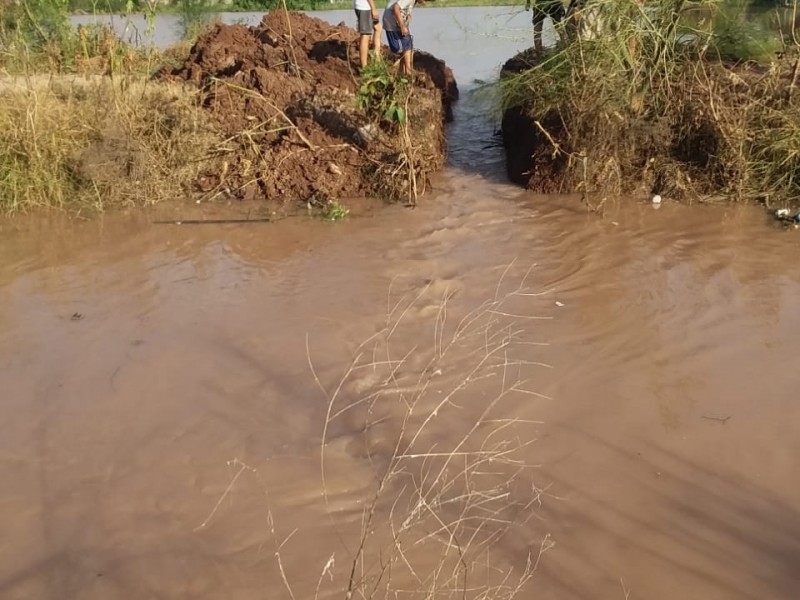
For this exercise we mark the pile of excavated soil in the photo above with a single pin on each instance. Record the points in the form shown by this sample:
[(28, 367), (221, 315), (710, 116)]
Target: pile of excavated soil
[(284, 94)]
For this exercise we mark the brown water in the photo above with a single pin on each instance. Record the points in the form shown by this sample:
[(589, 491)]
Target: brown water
[(666, 432)]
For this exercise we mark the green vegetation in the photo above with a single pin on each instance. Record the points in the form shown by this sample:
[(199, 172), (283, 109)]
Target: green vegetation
[(119, 6), (36, 26), (107, 6), (737, 36), (335, 211), (326, 208), (656, 99), (382, 93)]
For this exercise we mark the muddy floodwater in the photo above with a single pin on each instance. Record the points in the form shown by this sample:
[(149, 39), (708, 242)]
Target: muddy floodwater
[(164, 389)]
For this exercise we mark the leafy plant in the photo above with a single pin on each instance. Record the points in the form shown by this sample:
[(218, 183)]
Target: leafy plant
[(383, 94), (335, 211)]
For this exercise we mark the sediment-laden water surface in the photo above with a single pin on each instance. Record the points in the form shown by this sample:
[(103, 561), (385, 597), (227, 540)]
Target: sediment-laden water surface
[(162, 404)]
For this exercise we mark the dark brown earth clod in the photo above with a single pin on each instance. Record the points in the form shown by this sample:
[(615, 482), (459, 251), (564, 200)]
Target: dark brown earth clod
[(284, 95)]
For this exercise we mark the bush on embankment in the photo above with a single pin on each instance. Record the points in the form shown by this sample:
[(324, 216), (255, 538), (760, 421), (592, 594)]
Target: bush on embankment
[(654, 100), (87, 144)]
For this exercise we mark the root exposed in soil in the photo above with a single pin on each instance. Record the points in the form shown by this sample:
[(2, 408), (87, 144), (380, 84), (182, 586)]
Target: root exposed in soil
[(284, 95)]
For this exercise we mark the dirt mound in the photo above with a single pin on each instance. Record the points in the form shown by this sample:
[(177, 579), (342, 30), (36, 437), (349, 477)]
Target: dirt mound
[(697, 129), (285, 94)]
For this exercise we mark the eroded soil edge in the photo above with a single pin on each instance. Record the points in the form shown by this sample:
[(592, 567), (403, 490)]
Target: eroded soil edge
[(284, 94)]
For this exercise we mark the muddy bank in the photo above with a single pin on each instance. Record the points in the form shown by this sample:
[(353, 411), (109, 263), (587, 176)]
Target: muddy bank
[(285, 94), (667, 120), (526, 146)]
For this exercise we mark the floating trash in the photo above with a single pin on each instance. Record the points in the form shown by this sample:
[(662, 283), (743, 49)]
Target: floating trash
[(785, 216)]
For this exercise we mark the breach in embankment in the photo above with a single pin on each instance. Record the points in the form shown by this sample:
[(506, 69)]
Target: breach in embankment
[(274, 113), (655, 99)]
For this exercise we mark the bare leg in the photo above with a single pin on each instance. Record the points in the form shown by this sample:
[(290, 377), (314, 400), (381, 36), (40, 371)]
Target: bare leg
[(408, 62), (537, 36), (376, 41), (363, 50)]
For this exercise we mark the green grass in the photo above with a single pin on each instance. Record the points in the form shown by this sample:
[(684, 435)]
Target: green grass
[(738, 36), (335, 211)]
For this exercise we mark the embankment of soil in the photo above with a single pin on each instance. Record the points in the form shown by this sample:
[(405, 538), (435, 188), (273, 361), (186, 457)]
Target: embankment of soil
[(701, 130), (284, 94), (528, 160)]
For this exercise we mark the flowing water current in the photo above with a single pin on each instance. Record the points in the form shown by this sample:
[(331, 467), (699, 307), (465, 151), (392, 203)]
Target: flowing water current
[(164, 390)]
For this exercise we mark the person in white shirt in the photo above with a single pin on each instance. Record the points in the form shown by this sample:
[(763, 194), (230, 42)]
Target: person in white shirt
[(396, 20), (369, 29)]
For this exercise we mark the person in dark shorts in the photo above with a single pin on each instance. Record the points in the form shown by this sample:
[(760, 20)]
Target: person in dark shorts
[(369, 29), (396, 20), (541, 10)]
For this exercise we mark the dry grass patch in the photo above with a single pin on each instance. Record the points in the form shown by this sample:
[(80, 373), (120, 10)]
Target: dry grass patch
[(84, 144), (454, 491)]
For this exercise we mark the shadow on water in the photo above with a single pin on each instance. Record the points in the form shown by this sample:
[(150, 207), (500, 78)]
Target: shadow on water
[(709, 529)]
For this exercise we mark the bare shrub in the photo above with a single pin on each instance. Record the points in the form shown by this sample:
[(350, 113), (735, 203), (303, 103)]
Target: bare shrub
[(447, 512), (448, 459)]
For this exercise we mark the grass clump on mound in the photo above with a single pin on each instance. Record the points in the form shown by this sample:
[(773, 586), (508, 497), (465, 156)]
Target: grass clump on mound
[(655, 98), (85, 145), (81, 126)]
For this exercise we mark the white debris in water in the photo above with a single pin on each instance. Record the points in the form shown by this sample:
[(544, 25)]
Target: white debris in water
[(656, 199), (559, 304), (782, 212)]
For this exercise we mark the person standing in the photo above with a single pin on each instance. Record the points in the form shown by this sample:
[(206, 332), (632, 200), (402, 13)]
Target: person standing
[(541, 10), (396, 21), (369, 29)]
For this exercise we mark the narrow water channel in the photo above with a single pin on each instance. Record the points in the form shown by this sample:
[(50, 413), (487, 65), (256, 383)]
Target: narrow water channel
[(160, 422)]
